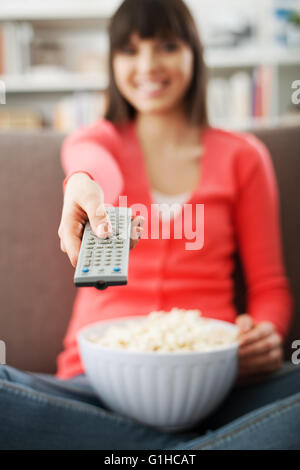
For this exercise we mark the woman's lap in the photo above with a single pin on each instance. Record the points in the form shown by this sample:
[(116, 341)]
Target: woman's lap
[(244, 399), (272, 427), (41, 412), (68, 414)]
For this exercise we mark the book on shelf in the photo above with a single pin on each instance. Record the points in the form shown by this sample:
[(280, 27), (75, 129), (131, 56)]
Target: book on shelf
[(15, 41), (262, 91), (20, 119), (81, 109), (243, 96)]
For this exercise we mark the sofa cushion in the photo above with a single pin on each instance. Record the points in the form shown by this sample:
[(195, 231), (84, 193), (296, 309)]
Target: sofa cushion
[(37, 290)]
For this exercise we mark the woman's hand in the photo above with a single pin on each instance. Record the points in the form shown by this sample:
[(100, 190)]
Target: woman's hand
[(260, 350), (84, 200)]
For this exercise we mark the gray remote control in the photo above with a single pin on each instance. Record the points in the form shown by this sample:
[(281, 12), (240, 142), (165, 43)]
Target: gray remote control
[(104, 262)]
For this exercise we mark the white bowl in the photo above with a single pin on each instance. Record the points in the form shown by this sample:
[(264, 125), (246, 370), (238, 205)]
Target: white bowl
[(168, 390)]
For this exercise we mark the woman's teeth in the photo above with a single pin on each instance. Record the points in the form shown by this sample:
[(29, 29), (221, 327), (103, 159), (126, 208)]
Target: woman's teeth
[(151, 87)]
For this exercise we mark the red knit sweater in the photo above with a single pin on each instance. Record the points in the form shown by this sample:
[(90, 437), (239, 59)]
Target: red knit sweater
[(241, 210)]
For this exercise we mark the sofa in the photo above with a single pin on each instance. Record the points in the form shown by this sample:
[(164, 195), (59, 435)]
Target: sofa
[(36, 288)]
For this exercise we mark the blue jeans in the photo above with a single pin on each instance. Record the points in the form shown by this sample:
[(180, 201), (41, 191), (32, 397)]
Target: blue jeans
[(40, 411)]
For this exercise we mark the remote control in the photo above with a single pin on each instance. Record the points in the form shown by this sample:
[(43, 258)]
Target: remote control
[(104, 262)]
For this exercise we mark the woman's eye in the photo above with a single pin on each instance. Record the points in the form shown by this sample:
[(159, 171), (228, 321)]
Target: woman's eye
[(169, 46), (130, 50)]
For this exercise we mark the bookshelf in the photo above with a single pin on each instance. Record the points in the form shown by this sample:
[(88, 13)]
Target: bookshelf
[(236, 75), (69, 83), (36, 10)]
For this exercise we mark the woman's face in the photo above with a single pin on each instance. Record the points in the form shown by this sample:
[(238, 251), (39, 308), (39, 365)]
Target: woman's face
[(153, 74)]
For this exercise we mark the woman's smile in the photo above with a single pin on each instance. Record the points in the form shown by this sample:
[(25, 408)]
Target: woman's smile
[(151, 88)]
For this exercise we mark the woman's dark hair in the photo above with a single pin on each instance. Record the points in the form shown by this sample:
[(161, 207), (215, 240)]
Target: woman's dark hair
[(149, 19)]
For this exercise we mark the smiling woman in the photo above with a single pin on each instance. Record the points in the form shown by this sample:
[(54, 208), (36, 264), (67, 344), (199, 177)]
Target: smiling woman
[(156, 135), (156, 53), (153, 74)]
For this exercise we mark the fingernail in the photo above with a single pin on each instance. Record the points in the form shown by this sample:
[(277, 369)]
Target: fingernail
[(102, 229), (100, 212), (139, 231)]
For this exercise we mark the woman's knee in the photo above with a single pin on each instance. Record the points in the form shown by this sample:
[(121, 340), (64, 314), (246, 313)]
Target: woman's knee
[(3, 372), (12, 374)]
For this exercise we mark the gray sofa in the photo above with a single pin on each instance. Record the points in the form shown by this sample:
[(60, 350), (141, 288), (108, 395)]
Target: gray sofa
[(36, 288)]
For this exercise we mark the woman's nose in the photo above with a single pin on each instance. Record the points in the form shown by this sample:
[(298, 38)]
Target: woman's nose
[(147, 61)]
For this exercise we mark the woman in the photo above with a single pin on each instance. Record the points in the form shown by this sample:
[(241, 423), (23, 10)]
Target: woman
[(155, 145)]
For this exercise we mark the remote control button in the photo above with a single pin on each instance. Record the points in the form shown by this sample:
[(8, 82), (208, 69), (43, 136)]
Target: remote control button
[(117, 269), (85, 270)]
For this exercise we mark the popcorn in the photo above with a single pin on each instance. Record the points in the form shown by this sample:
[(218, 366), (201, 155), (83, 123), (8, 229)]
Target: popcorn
[(176, 331)]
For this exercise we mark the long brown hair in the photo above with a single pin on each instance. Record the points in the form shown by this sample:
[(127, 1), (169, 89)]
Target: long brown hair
[(149, 19)]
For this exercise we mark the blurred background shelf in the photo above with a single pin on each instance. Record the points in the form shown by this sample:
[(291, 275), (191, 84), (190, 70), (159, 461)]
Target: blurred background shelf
[(251, 57), (57, 10), (54, 67), (51, 84)]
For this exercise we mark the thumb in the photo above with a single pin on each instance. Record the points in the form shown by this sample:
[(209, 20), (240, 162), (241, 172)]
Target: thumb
[(244, 322), (98, 218)]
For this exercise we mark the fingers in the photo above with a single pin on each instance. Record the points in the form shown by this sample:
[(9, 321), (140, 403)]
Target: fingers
[(244, 322), (260, 350), (83, 200), (70, 233), (260, 331), (137, 222), (136, 230), (267, 362), (98, 217), (262, 346), (62, 246)]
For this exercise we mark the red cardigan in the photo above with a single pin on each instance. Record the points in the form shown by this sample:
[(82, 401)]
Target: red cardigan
[(241, 210)]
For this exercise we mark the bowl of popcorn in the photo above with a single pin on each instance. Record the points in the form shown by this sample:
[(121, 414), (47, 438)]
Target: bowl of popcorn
[(168, 370)]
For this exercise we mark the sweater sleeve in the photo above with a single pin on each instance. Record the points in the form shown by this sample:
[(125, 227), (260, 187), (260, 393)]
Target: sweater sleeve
[(94, 150), (258, 231)]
